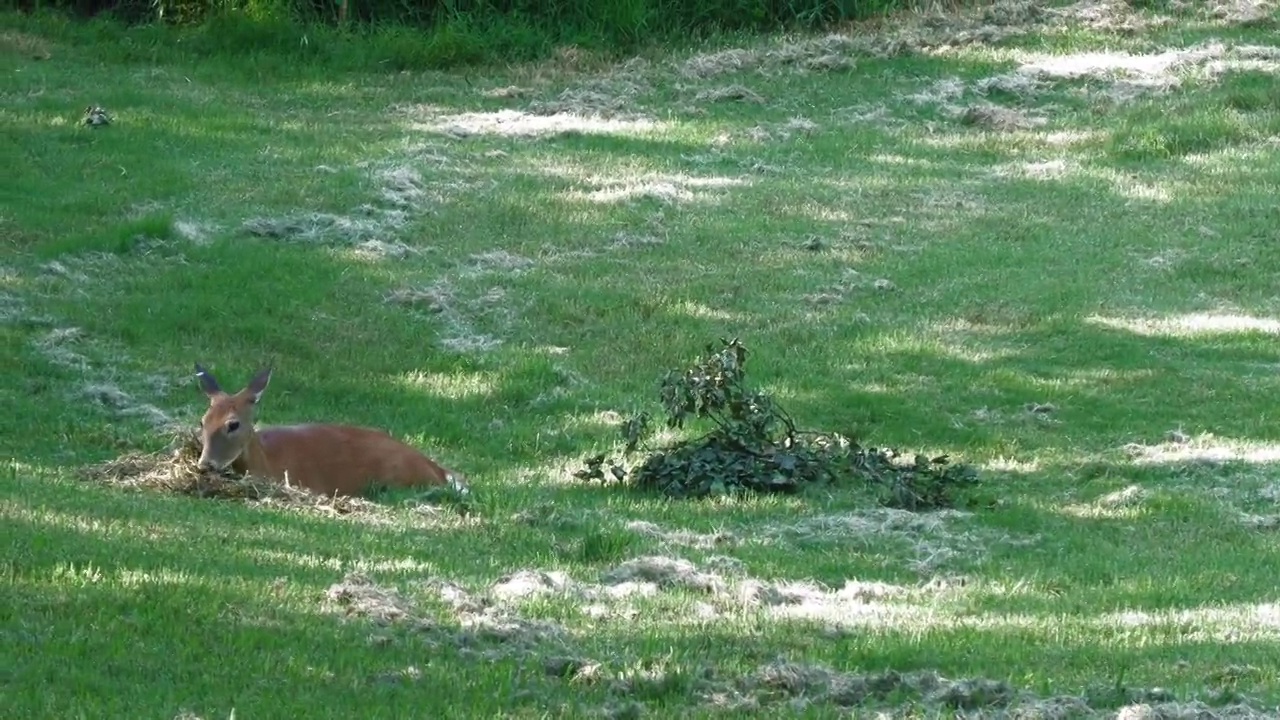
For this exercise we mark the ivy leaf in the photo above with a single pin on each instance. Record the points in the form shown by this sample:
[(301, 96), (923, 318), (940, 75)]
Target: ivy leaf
[(786, 462)]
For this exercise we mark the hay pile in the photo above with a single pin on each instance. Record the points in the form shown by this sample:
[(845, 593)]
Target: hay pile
[(475, 625), (174, 470)]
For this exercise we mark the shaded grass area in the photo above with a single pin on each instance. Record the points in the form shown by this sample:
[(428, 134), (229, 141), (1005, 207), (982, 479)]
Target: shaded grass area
[(256, 588), (1077, 297)]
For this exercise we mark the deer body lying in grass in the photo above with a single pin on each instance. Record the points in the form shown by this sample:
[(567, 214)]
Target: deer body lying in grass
[(325, 459)]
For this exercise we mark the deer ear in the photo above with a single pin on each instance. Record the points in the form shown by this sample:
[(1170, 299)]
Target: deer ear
[(208, 383), (258, 384)]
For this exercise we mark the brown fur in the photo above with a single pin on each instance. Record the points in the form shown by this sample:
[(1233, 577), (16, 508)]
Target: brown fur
[(326, 459)]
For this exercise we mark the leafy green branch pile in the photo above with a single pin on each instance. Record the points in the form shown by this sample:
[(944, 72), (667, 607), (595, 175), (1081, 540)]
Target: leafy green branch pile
[(754, 446)]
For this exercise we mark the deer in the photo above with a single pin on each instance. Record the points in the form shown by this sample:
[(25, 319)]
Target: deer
[(327, 459)]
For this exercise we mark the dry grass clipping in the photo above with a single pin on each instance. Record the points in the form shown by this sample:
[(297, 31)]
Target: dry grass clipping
[(683, 538), (797, 686), (1242, 13), (839, 52), (611, 96), (665, 572), (995, 117), (505, 93), (122, 404), (478, 629), (933, 32), (457, 314), (402, 193), (783, 685), (21, 44), (174, 470), (826, 54), (735, 93), (805, 684), (325, 227), (483, 627)]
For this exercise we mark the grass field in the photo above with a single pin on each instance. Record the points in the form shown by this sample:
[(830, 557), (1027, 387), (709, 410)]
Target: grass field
[(1042, 242)]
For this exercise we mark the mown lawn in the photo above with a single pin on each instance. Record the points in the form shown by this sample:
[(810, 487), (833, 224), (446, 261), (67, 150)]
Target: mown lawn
[(1041, 242)]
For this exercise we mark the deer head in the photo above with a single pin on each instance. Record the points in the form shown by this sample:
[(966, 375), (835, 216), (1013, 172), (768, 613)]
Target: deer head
[(227, 426)]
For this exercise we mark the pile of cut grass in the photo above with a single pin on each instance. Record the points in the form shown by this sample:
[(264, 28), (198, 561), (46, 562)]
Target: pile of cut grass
[(174, 470)]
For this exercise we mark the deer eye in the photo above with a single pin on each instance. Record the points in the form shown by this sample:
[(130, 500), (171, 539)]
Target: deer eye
[(233, 426)]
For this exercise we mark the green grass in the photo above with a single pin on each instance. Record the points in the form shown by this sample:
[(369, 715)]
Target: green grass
[(500, 299)]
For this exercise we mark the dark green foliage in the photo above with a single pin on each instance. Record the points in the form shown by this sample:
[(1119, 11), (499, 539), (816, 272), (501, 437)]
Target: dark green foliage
[(455, 32), (615, 18), (755, 446)]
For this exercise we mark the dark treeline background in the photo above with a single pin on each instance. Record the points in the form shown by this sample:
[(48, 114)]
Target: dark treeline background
[(624, 17), (446, 32)]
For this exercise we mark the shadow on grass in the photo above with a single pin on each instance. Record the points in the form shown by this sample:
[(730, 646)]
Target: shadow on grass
[(197, 585), (194, 605), (967, 374), (192, 624), (1108, 385)]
